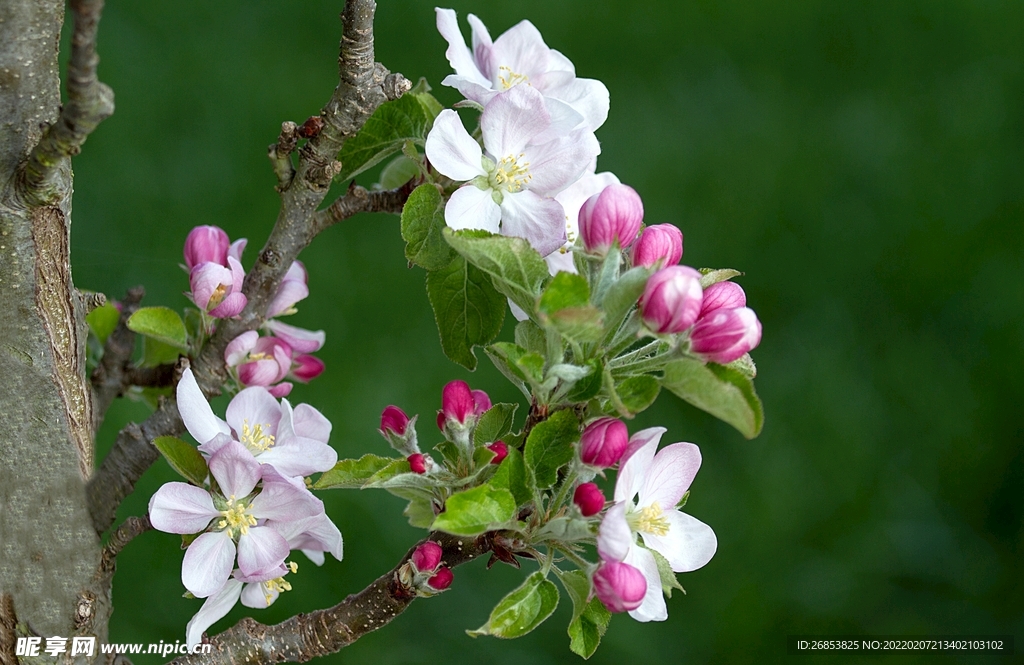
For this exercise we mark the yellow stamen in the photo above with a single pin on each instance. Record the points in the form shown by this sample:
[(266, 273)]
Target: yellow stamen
[(217, 296), (510, 174), (509, 78), (236, 520), (256, 438), (650, 520)]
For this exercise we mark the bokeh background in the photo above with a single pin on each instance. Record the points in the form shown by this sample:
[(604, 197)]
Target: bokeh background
[(860, 161)]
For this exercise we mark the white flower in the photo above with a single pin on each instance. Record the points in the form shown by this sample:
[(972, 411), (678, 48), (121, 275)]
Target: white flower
[(510, 184), (647, 490), (520, 56)]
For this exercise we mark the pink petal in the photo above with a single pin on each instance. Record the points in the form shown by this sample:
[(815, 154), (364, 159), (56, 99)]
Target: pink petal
[(636, 462), (451, 150), (688, 545), (316, 533), (300, 339), (670, 475), (282, 500), (196, 412), (236, 249), (281, 389), (235, 469), (298, 456), (181, 508), (259, 373), (458, 53), (288, 293), (207, 563), (310, 423), (213, 610), (254, 406), (214, 444), (261, 549), (232, 305), (472, 208), (511, 120), (557, 164), (653, 608), (205, 279), (238, 348), (541, 221)]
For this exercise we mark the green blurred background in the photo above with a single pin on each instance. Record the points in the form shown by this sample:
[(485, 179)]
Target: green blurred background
[(860, 161)]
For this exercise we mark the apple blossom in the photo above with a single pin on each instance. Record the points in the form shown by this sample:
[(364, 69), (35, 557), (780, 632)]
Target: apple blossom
[(426, 556), (671, 299), (659, 245), (725, 334), (206, 244), (299, 339), (217, 290), (619, 586), (293, 288), (259, 361), (612, 216)]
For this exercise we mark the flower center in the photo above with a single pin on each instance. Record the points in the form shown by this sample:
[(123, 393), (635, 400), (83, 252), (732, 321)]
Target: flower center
[(257, 438), (509, 78), (260, 356), (218, 296), (510, 174), (234, 519), (649, 520), (278, 584)]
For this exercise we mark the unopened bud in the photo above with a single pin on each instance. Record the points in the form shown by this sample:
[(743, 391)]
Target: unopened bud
[(589, 499), (613, 216), (307, 367), (393, 420), (500, 450), (418, 463), (726, 334), (603, 442), (427, 556), (206, 244), (660, 246), (441, 580), (620, 586), (457, 402), (672, 299), (722, 295)]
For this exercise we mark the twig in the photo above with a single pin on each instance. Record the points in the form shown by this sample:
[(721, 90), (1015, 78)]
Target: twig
[(89, 103), (8, 630), (319, 633), (124, 534), (280, 154), (108, 377), (359, 199)]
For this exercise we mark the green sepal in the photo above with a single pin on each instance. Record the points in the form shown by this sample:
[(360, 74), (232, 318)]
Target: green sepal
[(352, 473), (669, 582), (709, 276), (422, 223), (522, 610), (160, 323), (475, 511), (183, 458), (468, 310), (723, 392), (550, 446)]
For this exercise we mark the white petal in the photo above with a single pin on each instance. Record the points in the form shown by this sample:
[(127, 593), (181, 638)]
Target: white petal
[(207, 563), (310, 423), (472, 208), (261, 549), (614, 537), (254, 406), (588, 97), (235, 469), (688, 545), (316, 557), (636, 462), (512, 119), (451, 150), (541, 221), (458, 53), (517, 311), (299, 456), (575, 195), (256, 596), (557, 164), (283, 500), (564, 119), (470, 89), (196, 412), (653, 608), (238, 348), (559, 261), (522, 49), (482, 44), (213, 610), (181, 508), (670, 475)]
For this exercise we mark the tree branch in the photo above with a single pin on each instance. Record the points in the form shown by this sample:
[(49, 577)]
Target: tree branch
[(108, 379), (124, 534), (89, 103), (319, 633), (359, 199)]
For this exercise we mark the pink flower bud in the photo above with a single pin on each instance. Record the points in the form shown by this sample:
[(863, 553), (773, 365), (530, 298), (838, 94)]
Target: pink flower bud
[(267, 363), (620, 586), (418, 463), (206, 244), (427, 556), (282, 389), (671, 300), (589, 498), (300, 339), (722, 295), (603, 442), (457, 402), (726, 334), (292, 289), (217, 290), (500, 451), (307, 367), (393, 420), (660, 245), (442, 580), (612, 216), (481, 402)]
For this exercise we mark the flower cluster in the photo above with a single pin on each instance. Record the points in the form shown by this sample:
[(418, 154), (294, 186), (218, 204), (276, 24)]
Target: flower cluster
[(254, 509)]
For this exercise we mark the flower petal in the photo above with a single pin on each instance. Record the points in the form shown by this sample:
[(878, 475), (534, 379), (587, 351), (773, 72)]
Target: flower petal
[(257, 596), (213, 610), (451, 150), (238, 348), (472, 208), (522, 49), (458, 53), (636, 462), (614, 538), (670, 475), (311, 534), (207, 563), (213, 445), (299, 456), (237, 247), (282, 499), (653, 608), (688, 545), (511, 120), (235, 469), (254, 406), (588, 97), (196, 412), (557, 164), (310, 423), (541, 221), (300, 339), (181, 508), (288, 293), (232, 305), (261, 550)]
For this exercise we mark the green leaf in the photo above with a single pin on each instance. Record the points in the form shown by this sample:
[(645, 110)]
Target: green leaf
[(622, 295), (669, 582), (549, 447), (352, 473), (520, 367), (564, 290), (565, 529), (577, 585), (397, 172), (565, 304), (521, 611), (450, 452), (422, 222), (183, 458), (495, 423), (638, 392), (420, 509), (155, 352), (102, 321), (721, 391), (511, 476), (711, 276), (475, 511), (586, 630), (390, 126), (531, 337), (582, 324), (515, 267), (397, 474), (467, 309), (160, 323), (589, 386), (431, 106)]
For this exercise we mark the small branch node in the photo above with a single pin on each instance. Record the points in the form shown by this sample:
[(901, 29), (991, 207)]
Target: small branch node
[(395, 85)]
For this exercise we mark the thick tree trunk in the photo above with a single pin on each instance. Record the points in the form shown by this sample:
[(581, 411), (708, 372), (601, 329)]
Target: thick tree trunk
[(49, 551)]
